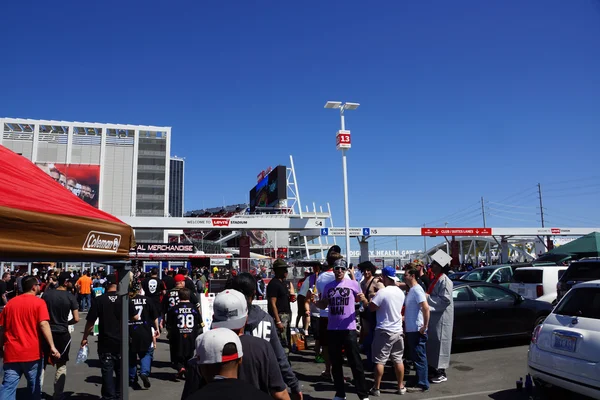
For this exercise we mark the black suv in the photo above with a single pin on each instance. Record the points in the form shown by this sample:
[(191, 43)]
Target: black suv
[(587, 269)]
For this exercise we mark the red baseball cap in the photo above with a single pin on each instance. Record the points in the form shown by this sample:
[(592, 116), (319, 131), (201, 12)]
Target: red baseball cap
[(179, 278)]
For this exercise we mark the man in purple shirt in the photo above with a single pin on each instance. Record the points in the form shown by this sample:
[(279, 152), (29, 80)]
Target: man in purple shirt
[(340, 296)]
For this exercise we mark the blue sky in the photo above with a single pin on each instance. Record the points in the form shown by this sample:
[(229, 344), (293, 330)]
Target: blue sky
[(459, 99)]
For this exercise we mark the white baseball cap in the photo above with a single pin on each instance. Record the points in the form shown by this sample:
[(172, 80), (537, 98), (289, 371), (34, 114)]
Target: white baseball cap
[(230, 310), (210, 346), (442, 258)]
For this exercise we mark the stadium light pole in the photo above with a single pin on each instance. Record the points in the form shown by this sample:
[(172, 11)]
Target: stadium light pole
[(344, 143)]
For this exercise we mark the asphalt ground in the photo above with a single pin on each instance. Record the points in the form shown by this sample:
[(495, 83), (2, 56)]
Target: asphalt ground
[(477, 371)]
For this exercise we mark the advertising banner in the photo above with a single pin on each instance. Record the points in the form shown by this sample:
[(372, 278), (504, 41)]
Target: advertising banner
[(83, 180), (164, 248)]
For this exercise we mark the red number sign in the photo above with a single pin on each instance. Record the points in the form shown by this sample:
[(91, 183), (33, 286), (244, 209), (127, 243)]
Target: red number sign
[(343, 140)]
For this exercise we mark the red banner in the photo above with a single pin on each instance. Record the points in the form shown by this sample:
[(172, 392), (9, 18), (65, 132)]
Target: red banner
[(456, 231)]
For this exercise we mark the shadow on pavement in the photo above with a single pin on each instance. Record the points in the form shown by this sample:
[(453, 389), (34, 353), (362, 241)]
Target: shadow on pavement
[(164, 376), (479, 345), (94, 379), (67, 396), (162, 364)]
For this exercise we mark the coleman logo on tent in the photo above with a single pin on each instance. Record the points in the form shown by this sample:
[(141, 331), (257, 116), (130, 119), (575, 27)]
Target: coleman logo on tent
[(102, 241)]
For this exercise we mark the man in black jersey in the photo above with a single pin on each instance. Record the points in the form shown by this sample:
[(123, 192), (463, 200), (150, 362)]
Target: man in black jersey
[(107, 309), (154, 288), (184, 324), (140, 334), (60, 303)]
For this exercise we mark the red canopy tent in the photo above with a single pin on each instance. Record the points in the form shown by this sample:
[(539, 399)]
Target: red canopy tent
[(40, 220)]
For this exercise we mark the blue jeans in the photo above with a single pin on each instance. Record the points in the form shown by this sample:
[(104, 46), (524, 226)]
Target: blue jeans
[(416, 343), (145, 363), (85, 303), (12, 375)]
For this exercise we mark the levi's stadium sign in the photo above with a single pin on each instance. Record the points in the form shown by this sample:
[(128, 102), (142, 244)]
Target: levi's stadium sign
[(164, 248), (456, 231)]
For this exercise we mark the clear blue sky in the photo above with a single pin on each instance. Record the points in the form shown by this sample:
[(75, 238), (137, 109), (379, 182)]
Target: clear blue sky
[(459, 99)]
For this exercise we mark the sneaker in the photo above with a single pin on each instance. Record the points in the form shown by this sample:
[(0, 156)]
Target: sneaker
[(438, 379), (146, 381), (181, 374), (400, 391), (416, 389), (319, 359), (375, 392)]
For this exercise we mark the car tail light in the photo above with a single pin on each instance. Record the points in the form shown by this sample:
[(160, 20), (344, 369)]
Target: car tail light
[(536, 333), (539, 290)]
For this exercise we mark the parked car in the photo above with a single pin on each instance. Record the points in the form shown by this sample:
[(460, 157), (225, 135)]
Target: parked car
[(498, 274), (455, 276), (538, 283), (565, 349), (484, 310), (584, 270)]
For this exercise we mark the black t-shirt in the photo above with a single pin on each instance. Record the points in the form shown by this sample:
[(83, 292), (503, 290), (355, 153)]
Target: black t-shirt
[(281, 291), (184, 320), (229, 389), (259, 365), (152, 287), (59, 303), (185, 324), (169, 282), (2, 288), (107, 308), (140, 331)]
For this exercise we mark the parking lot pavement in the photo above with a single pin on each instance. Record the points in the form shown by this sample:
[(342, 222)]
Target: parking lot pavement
[(476, 372)]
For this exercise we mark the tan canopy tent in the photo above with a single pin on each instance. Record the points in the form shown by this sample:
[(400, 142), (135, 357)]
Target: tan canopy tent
[(41, 220)]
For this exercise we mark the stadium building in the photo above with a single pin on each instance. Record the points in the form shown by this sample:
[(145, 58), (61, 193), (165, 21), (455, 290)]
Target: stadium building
[(121, 169)]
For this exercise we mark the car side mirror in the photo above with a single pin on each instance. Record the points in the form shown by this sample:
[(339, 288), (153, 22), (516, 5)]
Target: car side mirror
[(495, 281), (519, 299)]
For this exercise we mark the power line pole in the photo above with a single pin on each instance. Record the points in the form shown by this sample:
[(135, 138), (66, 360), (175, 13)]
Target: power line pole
[(541, 205), (483, 211)]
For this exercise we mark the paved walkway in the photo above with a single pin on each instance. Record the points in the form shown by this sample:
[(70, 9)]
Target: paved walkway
[(483, 372)]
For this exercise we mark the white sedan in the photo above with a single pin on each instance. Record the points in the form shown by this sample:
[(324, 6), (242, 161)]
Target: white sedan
[(565, 348)]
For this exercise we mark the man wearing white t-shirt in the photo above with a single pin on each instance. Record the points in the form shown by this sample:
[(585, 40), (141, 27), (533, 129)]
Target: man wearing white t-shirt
[(309, 291), (416, 319), (388, 342)]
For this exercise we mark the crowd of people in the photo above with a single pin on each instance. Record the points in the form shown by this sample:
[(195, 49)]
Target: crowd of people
[(407, 323)]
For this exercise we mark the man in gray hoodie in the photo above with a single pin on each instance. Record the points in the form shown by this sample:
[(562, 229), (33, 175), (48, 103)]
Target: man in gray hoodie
[(260, 324)]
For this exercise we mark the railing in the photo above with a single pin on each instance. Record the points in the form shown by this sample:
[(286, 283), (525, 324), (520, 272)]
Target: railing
[(150, 182), (158, 197), (142, 167)]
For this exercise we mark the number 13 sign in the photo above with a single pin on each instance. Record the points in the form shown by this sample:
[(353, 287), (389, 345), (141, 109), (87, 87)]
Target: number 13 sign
[(343, 140)]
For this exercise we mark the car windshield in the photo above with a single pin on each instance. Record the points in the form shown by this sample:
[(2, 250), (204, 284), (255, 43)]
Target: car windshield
[(478, 275), (581, 302)]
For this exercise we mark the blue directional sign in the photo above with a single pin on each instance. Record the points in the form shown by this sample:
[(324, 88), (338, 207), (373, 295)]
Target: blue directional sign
[(324, 231), (366, 231)]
